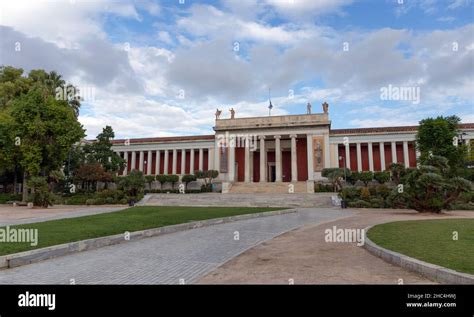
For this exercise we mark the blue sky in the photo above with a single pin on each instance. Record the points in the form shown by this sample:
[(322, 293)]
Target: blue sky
[(159, 68)]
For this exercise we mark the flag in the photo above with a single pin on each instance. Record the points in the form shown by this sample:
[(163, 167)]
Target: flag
[(270, 106)]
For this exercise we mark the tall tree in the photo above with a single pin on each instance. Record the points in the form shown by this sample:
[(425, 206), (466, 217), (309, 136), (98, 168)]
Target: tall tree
[(439, 136), (101, 151)]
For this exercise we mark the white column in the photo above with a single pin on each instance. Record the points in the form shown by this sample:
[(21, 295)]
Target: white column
[(210, 159), (201, 159), (217, 163), (247, 161), (140, 162), (359, 157), (309, 147), (294, 169), (191, 162), (166, 163), (406, 157), (183, 161), (382, 156), (134, 160), (336, 154), (371, 157), (278, 158), (327, 154), (348, 155), (263, 160), (232, 160), (175, 162), (125, 157), (149, 162), (157, 162), (394, 152)]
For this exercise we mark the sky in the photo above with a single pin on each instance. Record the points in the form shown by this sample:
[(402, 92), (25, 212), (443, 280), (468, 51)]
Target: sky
[(162, 68)]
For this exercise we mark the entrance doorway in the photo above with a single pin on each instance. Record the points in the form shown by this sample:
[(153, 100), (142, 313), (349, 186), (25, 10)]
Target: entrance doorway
[(271, 172)]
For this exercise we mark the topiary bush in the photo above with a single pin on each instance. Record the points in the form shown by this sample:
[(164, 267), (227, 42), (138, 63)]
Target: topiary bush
[(366, 177), (382, 177)]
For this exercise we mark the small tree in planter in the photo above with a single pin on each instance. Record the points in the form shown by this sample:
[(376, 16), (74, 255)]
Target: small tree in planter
[(149, 179), (207, 176), (353, 178), (188, 178), (382, 177), (366, 177), (173, 179), (162, 179)]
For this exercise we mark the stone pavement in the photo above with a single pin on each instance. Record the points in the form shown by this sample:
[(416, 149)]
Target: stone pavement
[(181, 257), (305, 257), (10, 215), (242, 200)]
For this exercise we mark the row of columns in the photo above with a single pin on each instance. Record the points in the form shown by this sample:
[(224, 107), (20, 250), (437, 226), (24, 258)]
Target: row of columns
[(166, 162), (406, 157), (263, 160)]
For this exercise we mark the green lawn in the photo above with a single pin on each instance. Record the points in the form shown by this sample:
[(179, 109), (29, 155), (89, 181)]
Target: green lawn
[(430, 241), (131, 219)]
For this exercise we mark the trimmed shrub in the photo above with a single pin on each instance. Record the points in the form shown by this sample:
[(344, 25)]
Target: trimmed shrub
[(359, 204), (353, 177), (366, 177), (382, 177), (364, 193)]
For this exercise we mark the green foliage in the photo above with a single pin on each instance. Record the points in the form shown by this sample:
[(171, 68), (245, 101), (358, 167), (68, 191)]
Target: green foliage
[(91, 173), (41, 195), (4, 198), (133, 184), (366, 177), (437, 136), (149, 179), (353, 178), (364, 193), (101, 151), (335, 176), (397, 171), (382, 177), (323, 188), (207, 176), (188, 178)]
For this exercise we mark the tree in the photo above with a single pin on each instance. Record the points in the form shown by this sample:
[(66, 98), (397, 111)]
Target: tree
[(173, 179), (366, 177), (162, 179), (382, 177), (430, 188), (101, 151), (149, 179), (335, 176), (440, 136), (44, 130), (397, 170), (42, 197), (188, 178), (133, 184), (207, 176), (353, 177), (91, 173)]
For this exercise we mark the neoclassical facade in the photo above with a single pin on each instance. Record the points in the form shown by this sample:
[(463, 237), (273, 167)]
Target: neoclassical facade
[(290, 148)]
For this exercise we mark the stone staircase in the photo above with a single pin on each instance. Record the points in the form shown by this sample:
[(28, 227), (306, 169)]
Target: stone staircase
[(264, 188)]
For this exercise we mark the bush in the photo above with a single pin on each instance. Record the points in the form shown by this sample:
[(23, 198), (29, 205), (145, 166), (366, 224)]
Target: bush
[(323, 188), (353, 178), (377, 203), (382, 177), (188, 178), (359, 204), (350, 193), (382, 191), (366, 177), (41, 195), (133, 184), (90, 202), (110, 200), (4, 198), (364, 193)]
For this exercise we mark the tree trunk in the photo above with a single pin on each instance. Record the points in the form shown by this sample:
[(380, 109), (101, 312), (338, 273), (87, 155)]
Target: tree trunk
[(24, 187)]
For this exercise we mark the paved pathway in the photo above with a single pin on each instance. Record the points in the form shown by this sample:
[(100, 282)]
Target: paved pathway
[(322, 200), (10, 215), (169, 259), (304, 257)]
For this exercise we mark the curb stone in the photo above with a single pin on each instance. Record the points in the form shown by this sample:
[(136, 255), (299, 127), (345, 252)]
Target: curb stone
[(28, 257), (431, 271)]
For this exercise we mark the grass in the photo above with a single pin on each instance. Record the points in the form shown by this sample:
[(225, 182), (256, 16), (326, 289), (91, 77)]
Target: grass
[(132, 219), (430, 241)]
